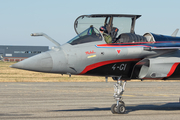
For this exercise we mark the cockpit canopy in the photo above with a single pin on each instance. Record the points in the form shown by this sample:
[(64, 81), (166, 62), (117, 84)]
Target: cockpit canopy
[(124, 23), (116, 26), (91, 34)]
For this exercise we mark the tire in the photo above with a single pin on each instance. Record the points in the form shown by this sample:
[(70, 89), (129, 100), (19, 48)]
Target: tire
[(121, 109), (121, 102), (114, 109)]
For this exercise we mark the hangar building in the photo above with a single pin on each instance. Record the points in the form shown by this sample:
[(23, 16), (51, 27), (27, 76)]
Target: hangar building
[(19, 53)]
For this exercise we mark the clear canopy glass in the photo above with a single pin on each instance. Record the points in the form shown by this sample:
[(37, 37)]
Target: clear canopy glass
[(89, 35), (124, 23)]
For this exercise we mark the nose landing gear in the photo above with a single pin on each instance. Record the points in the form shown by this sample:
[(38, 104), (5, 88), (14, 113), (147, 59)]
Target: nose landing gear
[(119, 107)]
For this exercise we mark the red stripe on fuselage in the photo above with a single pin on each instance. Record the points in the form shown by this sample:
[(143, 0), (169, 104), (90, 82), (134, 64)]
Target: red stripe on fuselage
[(173, 68), (121, 45), (139, 43), (99, 64)]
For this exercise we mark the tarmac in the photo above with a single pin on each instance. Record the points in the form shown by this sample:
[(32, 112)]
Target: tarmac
[(88, 101)]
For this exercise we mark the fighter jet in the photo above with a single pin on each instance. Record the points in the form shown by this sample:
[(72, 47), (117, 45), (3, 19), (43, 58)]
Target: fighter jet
[(127, 56)]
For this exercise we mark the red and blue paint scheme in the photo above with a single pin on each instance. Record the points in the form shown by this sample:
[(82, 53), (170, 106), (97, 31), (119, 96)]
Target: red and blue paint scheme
[(128, 68)]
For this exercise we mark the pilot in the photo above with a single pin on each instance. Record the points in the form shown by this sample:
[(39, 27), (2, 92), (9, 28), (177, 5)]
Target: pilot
[(107, 37)]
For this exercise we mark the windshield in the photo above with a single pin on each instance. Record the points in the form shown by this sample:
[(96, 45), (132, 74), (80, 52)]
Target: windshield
[(89, 35)]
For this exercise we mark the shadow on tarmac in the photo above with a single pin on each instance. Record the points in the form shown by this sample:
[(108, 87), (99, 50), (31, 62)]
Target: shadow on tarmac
[(89, 109), (160, 107)]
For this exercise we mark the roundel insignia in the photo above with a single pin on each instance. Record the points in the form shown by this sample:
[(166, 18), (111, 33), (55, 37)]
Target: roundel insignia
[(118, 51)]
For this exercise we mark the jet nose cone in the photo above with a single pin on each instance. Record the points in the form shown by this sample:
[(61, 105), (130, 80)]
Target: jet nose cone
[(41, 62)]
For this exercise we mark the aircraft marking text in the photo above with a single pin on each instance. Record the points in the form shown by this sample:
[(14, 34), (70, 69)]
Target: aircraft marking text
[(90, 52), (121, 67)]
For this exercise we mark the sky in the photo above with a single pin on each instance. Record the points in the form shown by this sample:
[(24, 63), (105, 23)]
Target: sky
[(20, 18)]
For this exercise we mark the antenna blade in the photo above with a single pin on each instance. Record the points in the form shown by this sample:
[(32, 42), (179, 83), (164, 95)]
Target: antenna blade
[(175, 33)]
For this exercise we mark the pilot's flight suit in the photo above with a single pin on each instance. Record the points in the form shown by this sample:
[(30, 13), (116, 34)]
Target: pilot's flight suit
[(107, 38)]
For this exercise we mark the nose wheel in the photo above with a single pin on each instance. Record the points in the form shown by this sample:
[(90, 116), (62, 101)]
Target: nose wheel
[(119, 107)]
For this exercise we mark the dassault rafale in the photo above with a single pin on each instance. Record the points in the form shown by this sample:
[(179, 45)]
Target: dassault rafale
[(107, 45)]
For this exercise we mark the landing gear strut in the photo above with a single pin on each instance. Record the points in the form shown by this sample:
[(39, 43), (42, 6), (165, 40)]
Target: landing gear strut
[(119, 88)]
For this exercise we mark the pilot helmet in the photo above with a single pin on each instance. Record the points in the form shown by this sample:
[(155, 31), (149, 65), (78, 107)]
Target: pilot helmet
[(102, 28)]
